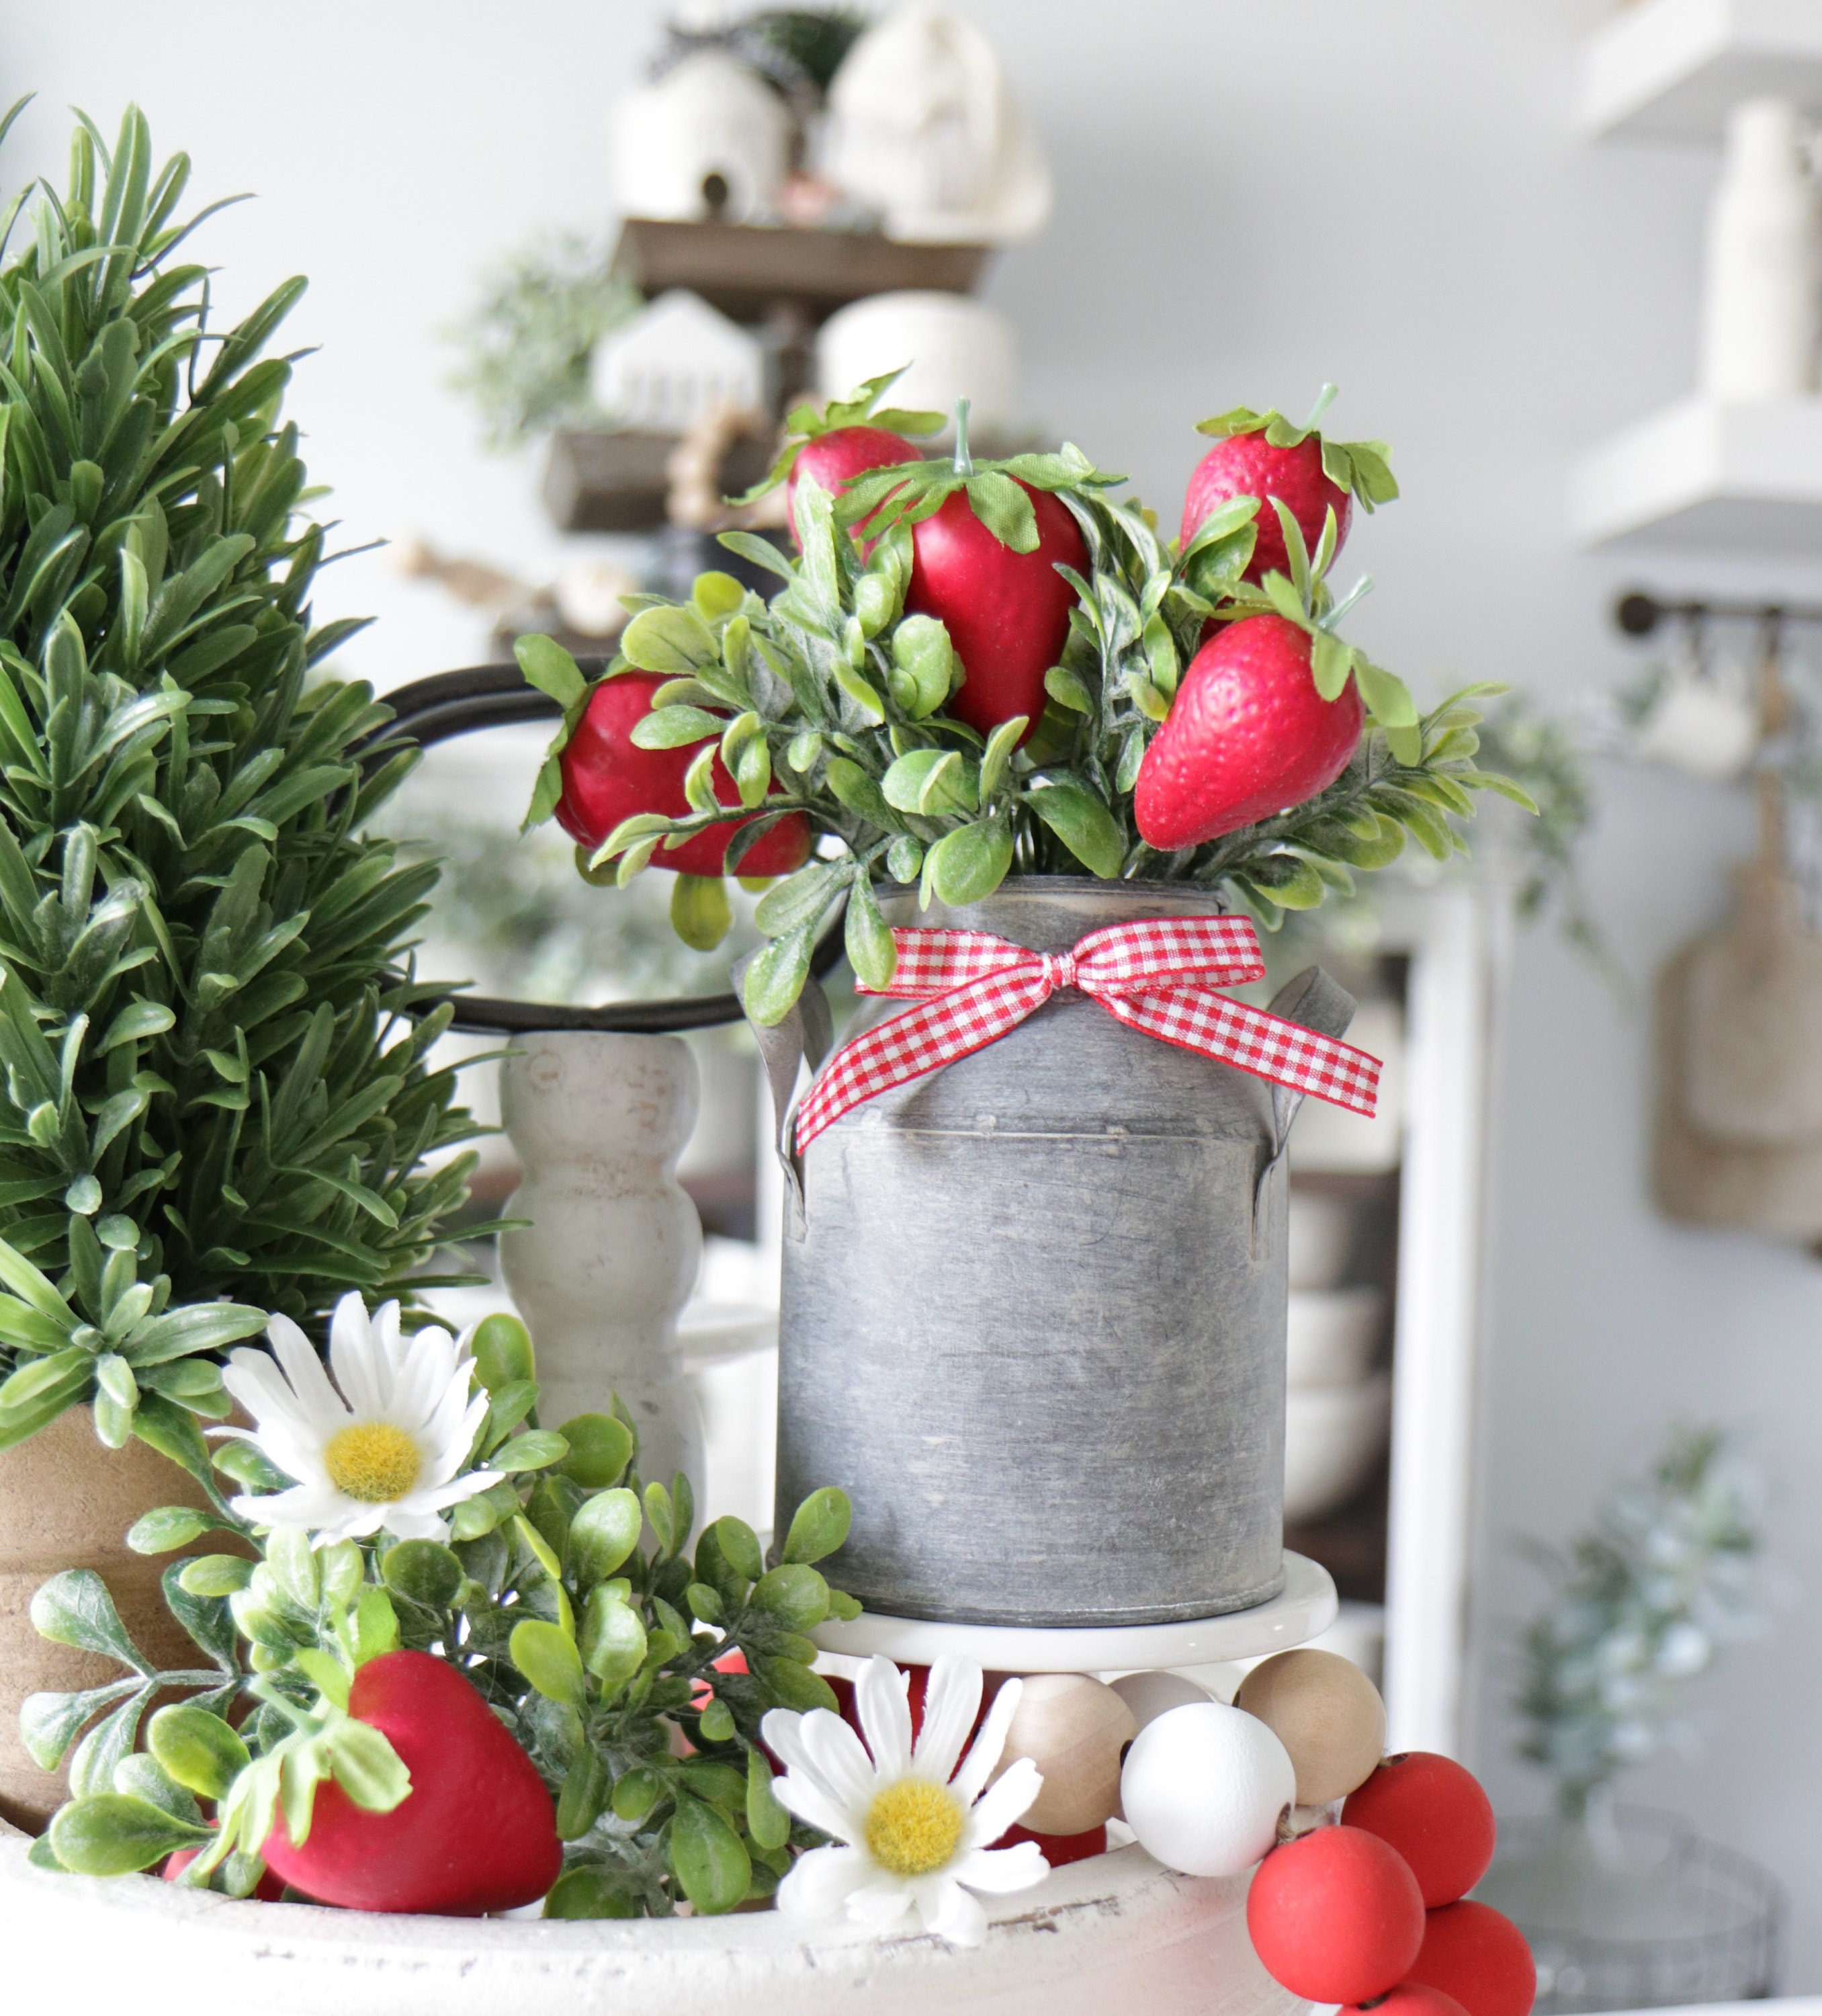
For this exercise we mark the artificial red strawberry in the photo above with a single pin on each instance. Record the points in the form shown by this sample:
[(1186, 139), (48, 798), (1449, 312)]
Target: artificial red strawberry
[(832, 459), (1247, 735), (608, 778), (1007, 613), (476, 1833), (1247, 464)]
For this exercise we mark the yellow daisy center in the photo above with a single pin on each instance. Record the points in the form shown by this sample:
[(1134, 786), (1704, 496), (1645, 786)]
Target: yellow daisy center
[(913, 1826), (373, 1461)]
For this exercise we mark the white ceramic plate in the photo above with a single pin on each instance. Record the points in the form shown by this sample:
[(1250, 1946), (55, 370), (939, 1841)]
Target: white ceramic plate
[(1306, 1607)]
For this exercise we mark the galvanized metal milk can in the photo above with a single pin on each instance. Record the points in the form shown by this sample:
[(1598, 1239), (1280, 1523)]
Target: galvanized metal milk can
[(1034, 1304)]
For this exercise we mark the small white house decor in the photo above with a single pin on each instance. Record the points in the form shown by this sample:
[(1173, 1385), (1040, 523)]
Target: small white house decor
[(666, 369), (922, 125), (706, 139)]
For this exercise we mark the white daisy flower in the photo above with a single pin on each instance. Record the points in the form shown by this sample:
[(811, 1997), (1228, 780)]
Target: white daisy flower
[(385, 1451), (916, 1829)]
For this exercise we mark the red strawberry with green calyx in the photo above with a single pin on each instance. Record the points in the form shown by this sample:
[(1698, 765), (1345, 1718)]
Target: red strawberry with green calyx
[(607, 777), (1264, 456), (476, 1832), (1007, 612), (833, 459), (842, 439), (1248, 735)]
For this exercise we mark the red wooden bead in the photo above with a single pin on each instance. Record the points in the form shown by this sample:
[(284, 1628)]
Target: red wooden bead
[(1411, 1998), (1437, 1817), (1336, 1916), (1479, 1955)]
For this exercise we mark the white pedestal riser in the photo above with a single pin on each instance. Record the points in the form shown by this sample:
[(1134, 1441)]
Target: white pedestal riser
[(613, 1246)]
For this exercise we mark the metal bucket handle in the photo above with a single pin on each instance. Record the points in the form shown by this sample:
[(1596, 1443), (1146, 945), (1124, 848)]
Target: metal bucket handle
[(807, 1034), (1315, 1002)]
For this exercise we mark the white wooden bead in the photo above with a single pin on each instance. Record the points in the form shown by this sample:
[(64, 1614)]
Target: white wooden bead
[(1203, 1787), (1073, 1729)]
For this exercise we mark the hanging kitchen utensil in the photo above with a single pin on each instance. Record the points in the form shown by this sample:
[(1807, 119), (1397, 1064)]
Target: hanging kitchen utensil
[(1739, 1015)]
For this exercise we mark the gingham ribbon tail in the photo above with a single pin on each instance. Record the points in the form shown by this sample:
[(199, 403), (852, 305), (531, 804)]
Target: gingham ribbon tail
[(1157, 975)]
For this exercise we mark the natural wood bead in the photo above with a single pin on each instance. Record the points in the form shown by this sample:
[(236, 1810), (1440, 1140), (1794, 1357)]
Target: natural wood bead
[(1327, 1714), (1150, 1695), (1073, 1729)]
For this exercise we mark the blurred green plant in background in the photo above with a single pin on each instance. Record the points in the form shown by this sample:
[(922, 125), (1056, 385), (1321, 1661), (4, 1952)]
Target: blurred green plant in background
[(527, 343), (1644, 1601)]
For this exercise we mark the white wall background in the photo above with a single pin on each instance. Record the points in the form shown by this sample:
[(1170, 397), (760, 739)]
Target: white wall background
[(1251, 199)]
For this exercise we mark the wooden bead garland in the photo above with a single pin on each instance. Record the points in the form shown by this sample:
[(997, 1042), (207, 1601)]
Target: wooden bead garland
[(1203, 1788), (1479, 1955), (1327, 1714), (1336, 1916), (1074, 1729), (1436, 1815), (1411, 1998), (1331, 1912), (1150, 1695)]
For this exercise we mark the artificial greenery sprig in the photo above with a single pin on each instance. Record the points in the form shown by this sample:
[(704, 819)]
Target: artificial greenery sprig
[(210, 1033), (830, 700), (567, 1594)]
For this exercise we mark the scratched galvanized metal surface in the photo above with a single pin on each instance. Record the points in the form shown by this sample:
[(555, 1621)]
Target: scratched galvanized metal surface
[(1031, 1326)]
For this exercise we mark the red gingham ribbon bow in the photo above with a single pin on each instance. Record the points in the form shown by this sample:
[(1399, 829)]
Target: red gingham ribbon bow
[(1156, 974)]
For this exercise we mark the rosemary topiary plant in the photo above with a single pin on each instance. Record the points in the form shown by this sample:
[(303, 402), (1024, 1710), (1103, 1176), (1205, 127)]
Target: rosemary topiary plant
[(215, 1050)]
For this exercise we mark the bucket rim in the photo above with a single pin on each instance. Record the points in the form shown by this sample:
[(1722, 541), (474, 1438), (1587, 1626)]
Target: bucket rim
[(1151, 889)]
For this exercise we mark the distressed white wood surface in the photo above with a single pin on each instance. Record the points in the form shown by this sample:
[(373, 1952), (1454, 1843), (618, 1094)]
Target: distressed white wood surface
[(1114, 1933)]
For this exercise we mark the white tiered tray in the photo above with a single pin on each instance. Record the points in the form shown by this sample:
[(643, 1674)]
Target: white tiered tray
[(1116, 1932), (1302, 1609)]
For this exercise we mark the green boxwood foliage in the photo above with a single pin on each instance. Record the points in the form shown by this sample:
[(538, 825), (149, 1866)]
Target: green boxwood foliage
[(214, 1046)]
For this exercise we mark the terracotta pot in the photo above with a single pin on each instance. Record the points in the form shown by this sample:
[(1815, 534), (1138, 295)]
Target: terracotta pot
[(65, 1502)]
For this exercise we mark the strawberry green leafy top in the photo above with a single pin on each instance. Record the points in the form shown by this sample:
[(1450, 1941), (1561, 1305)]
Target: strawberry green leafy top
[(1363, 468), (805, 423)]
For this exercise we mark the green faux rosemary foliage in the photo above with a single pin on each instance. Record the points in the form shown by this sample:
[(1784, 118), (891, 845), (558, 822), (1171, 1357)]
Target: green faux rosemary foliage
[(213, 1045)]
